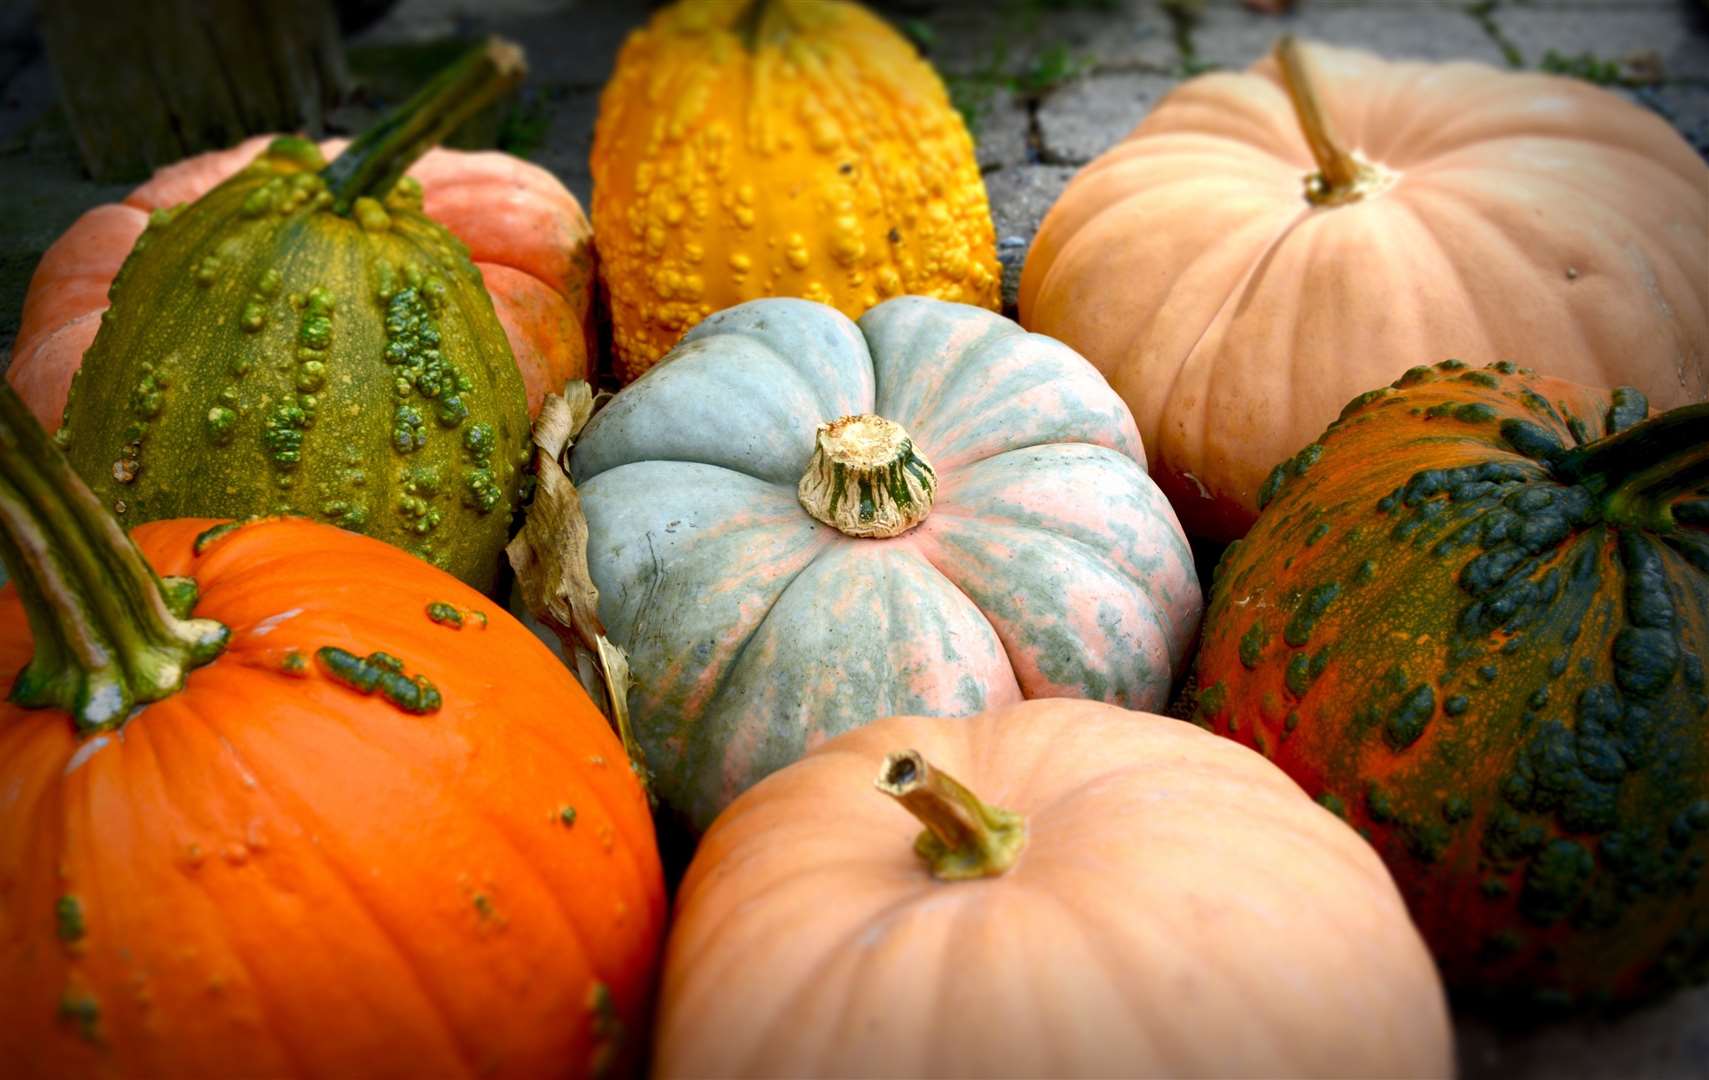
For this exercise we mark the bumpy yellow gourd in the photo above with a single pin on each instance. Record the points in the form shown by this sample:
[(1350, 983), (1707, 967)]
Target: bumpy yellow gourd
[(779, 148)]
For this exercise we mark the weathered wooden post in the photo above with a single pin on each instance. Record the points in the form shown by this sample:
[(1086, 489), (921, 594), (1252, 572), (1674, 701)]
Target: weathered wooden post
[(147, 82)]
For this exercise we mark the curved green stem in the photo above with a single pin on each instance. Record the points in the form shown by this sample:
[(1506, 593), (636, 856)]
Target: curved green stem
[(1640, 471), (964, 838), (380, 156), (760, 22), (105, 634)]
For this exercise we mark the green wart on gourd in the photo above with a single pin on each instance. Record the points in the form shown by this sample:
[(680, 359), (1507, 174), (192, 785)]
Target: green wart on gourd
[(82, 1011), (303, 339), (450, 615), (381, 673), (68, 919)]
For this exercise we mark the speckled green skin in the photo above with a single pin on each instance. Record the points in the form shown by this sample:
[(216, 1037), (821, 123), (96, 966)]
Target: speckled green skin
[(266, 355), (1472, 620)]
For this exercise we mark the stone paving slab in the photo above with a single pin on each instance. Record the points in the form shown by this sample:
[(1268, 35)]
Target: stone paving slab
[(1673, 32), (1227, 36), (968, 38), (1083, 119), (573, 42), (1004, 128), (1019, 199), (568, 139)]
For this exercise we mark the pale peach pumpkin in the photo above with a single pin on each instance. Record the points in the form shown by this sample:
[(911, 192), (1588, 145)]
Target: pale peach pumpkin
[(1175, 907), (1470, 213), (524, 231)]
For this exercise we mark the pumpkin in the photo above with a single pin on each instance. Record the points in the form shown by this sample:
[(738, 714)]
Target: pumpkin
[(525, 233), (299, 340), (797, 523), (1472, 619), (779, 148), (1446, 210), (304, 828), (1137, 899)]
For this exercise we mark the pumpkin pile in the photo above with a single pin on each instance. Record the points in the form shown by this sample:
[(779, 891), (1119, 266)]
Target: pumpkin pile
[(288, 791)]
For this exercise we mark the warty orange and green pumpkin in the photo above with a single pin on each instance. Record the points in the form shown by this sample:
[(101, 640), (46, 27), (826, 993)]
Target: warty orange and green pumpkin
[(1472, 619), (779, 148)]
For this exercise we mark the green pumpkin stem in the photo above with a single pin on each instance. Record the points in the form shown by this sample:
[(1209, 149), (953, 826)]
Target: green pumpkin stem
[(757, 23), (1641, 470), (105, 634), (1341, 177), (964, 838), (372, 164)]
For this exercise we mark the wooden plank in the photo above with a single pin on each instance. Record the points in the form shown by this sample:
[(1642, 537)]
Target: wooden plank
[(146, 83)]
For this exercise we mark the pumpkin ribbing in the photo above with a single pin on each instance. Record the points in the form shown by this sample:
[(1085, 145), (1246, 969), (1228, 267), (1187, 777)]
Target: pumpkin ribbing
[(1170, 883), (1049, 565)]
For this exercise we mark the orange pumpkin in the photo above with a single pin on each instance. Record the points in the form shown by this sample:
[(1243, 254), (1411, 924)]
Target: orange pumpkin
[(525, 232), (1462, 212), (1144, 901), (377, 829)]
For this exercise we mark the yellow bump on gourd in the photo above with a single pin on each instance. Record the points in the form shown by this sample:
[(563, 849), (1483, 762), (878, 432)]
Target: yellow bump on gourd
[(801, 144), (371, 215)]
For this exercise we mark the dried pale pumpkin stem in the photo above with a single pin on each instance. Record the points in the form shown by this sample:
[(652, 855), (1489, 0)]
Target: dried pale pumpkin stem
[(964, 838), (1341, 176), (867, 478), (108, 634), (372, 164)]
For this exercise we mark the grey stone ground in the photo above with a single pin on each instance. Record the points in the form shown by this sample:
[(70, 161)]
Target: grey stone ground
[(1048, 84)]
